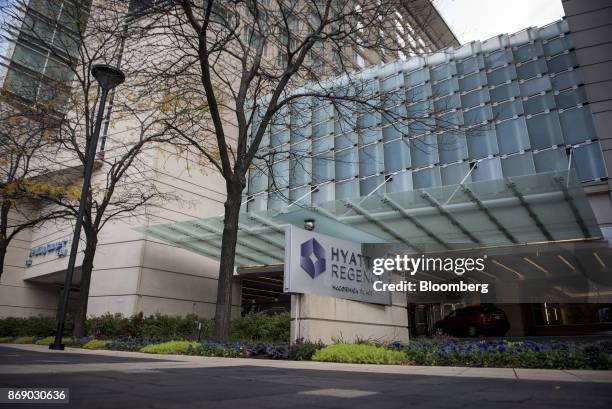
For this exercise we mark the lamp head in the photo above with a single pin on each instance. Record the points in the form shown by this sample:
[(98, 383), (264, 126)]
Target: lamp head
[(107, 76), (309, 224)]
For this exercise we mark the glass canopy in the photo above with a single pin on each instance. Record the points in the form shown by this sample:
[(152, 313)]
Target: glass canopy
[(540, 208)]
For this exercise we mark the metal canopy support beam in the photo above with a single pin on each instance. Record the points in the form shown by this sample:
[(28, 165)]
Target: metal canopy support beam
[(242, 242), (378, 223), (434, 203), (572, 205), (261, 237), (488, 213), (392, 203), (534, 217)]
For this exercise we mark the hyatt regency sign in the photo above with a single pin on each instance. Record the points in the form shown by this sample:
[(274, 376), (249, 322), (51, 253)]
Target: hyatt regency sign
[(319, 264)]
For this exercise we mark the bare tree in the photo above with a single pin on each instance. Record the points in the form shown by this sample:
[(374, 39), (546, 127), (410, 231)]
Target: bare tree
[(253, 63), (83, 36)]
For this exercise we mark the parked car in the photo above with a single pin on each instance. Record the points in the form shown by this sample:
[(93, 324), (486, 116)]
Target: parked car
[(484, 319)]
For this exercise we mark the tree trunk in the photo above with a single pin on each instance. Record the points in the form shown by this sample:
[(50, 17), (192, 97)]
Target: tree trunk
[(223, 309), (3, 248), (86, 269), (4, 239)]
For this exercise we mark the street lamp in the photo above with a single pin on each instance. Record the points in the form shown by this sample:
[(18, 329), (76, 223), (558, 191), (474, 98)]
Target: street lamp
[(108, 78)]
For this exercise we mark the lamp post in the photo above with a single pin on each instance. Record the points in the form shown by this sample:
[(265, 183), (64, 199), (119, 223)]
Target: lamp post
[(108, 78)]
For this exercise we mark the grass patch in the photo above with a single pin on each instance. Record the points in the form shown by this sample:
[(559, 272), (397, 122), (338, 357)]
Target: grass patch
[(67, 341), (95, 344), (24, 340), (360, 354), (170, 347), (6, 340)]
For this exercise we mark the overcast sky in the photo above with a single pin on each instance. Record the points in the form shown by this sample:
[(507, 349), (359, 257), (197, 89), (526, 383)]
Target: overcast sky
[(482, 19)]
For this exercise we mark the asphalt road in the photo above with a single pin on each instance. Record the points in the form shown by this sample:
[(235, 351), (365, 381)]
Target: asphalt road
[(165, 384)]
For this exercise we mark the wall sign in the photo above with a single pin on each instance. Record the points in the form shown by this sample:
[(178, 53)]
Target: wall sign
[(60, 247), (319, 264)]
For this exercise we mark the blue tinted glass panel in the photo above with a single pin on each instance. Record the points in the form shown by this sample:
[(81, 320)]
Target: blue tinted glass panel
[(427, 178), (535, 86), (299, 171), (447, 103), (562, 62), (472, 81), (498, 58), (544, 130), (557, 45), (577, 125), (416, 77), (369, 135), (442, 71), (518, 165), (588, 161), (346, 163), (527, 52), (418, 93), (474, 98), (565, 80), (400, 182), (539, 103), (550, 160), (502, 75), (347, 189), (322, 167), (397, 155), (419, 110), (512, 136), (454, 174), (370, 160), (424, 151), (452, 147), (487, 169), (444, 87), (322, 129), (504, 92), (345, 140), (372, 186), (571, 98), (507, 110), (478, 115), (532, 68), (323, 144), (470, 65), (450, 120), (482, 143)]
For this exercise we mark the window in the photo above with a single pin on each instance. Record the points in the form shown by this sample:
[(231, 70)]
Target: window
[(450, 120), (372, 185), (512, 135), (280, 175), (444, 87), (323, 193), (565, 80), (322, 167), (545, 130), (470, 65), (498, 58), (442, 71), (570, 98), (300, 195), (322, 129), (367, 120), (577, 125), (447, 103), (478, 115), (528, 52), (369, 135), (258, 181), (558, 45), (324, 144), (562, 62), (345, 140), (400, 182), (418, 93), (392, 132), (300, 171)]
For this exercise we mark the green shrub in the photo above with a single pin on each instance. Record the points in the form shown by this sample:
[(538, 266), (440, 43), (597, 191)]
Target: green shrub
[(24, 340), (67, 341), (32, 326), (304, 350), (170, 347), (360, 354), (95, 344), (6, 340), (261, 327), (111, 326)]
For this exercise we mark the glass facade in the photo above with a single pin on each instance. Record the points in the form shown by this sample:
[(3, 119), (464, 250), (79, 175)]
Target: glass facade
[(47, 39), (509, 106)]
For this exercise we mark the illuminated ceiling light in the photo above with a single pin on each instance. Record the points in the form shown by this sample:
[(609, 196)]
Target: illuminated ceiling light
[(566, 262), (536, 265), (599, 259), (521, 276)]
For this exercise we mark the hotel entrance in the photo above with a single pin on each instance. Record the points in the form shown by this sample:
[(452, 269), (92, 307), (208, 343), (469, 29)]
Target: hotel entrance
[(263, 292)]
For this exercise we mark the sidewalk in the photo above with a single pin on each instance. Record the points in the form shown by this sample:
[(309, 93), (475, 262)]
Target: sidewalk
[(151, 363)]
